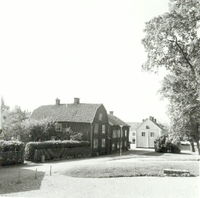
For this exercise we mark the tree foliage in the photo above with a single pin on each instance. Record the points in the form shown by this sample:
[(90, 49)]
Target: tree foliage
[(172, 41)]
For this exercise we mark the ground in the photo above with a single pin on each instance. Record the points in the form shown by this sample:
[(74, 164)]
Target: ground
[(112, 176)]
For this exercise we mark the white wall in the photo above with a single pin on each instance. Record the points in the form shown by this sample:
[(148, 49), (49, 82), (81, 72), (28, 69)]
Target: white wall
[(147, 141)]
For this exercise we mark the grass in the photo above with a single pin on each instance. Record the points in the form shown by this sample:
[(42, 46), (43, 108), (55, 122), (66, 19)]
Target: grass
[(145, 168), (130, 164), (137, 163)]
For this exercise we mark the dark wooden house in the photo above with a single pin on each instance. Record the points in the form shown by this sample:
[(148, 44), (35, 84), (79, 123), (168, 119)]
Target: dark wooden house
[(89, 119), (119, 133)]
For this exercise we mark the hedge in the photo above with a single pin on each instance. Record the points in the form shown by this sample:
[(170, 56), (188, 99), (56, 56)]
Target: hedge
[(56, 150), (11, 152)]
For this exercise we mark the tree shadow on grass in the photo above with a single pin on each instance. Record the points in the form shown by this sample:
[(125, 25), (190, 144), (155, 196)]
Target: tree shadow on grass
[(20, 180)]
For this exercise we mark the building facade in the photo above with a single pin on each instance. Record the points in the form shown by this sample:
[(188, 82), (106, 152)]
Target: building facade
[(91, 120), (119, 133), (147, 132)]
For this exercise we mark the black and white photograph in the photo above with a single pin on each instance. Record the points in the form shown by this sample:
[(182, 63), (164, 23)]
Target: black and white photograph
[(100, 98)]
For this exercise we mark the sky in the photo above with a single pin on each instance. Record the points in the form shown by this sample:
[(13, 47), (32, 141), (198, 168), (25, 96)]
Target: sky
[(88, 49)]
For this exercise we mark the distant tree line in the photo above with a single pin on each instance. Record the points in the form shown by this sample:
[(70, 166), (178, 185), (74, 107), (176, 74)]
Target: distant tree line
[(17, 125)]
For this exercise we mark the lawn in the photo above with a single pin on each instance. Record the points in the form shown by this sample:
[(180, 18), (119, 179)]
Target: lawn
[(133, 169), (136, 163)]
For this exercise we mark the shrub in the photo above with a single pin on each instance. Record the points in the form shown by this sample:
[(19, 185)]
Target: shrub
[(55, 149), (164, 144), (11, 152)]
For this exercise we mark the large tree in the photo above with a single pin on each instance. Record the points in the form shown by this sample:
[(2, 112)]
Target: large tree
[(172, 41)]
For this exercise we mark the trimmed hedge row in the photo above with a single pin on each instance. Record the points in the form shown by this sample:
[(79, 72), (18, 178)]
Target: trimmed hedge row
[(56, 150), (11, 152)]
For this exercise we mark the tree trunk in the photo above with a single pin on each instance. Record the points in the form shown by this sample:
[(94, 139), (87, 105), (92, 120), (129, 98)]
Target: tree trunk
[(198, 146), (192, 145)]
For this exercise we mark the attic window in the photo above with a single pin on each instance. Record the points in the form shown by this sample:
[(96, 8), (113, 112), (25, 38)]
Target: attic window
[(100, 117), (147, 127)]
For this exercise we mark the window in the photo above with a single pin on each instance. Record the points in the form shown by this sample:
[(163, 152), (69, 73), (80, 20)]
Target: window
[(114, 133), (100, 117), (143, 134), (118, 133), (118, 145), (96, 143), (147, 127), (103, 143), (113, 146), (125, 144), (133, 141), (103, 128), (58, 127), (152, 134), (96, 129), (125, 133)]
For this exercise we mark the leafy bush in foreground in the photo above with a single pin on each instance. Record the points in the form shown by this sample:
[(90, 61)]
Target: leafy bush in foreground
[(164, 144)]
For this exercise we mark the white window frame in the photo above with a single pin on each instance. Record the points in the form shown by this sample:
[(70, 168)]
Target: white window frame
[(96, 143), (103, 129), (96, 128), (100, 116), (113, 146), (126, 133), (103, 143)]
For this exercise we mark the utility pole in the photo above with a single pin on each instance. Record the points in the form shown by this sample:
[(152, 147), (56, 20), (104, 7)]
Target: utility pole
[(120, 146)]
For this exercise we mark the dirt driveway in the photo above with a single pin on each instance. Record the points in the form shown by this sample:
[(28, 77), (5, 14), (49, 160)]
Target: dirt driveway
[(24, 181)]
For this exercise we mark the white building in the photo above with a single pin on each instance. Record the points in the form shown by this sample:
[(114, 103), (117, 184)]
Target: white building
[(132, 131), (147, 132)]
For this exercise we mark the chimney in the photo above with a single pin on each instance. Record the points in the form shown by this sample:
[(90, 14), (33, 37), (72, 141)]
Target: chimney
[(76, 100), (57, 101), (111, 112), (151, 118)]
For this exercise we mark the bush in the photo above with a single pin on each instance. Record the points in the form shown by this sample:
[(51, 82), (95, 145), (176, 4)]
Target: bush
[(56, 149), (164, 144), (11, 152)]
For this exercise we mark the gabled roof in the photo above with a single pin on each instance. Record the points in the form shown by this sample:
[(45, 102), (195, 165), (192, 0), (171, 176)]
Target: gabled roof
[(115, 121), (81, 112), (154, 122), (134, 125)]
